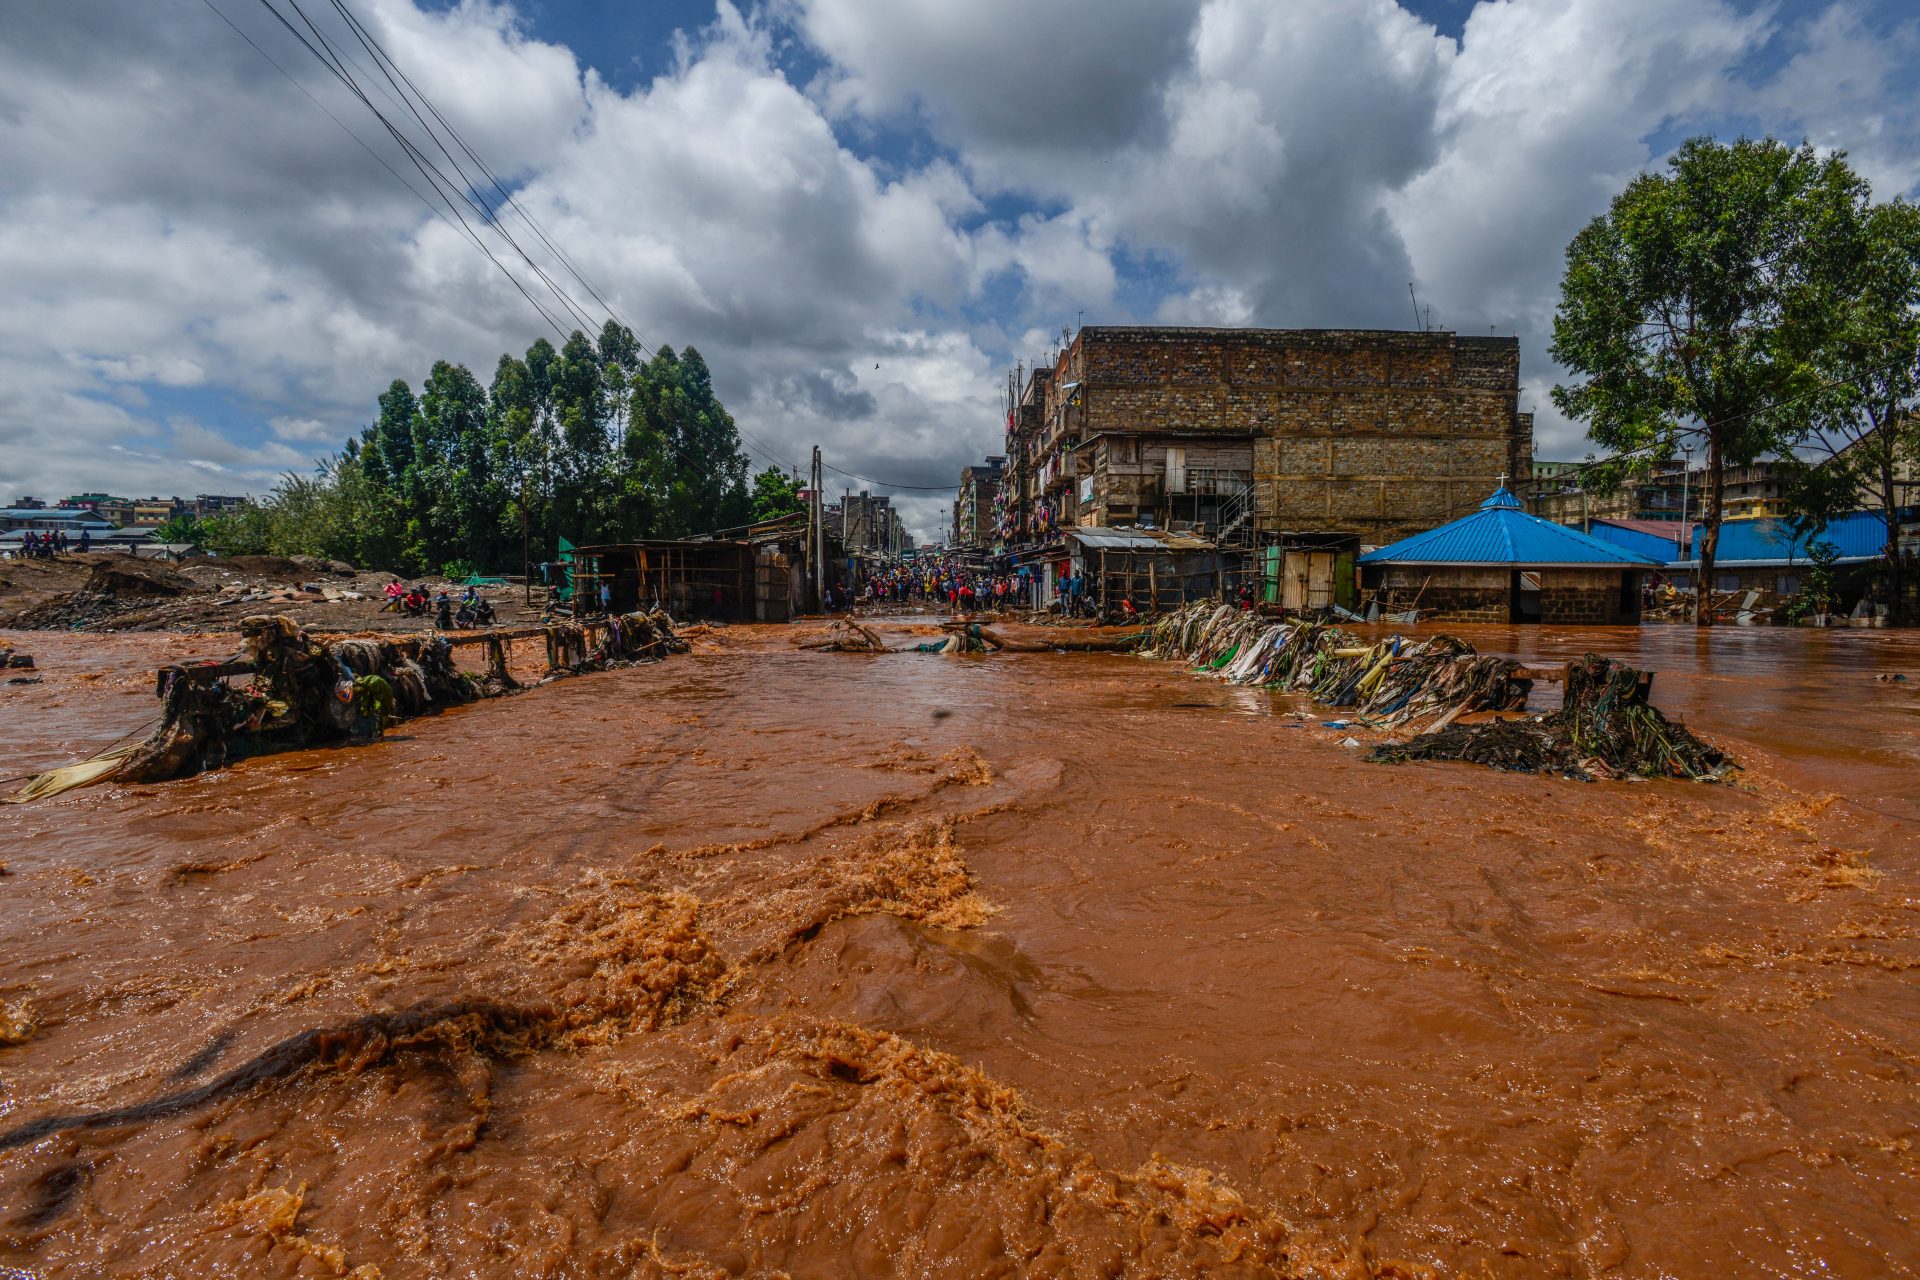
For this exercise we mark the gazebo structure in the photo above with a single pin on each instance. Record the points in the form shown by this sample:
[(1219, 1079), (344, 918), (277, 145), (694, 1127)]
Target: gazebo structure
[(1500, 564)]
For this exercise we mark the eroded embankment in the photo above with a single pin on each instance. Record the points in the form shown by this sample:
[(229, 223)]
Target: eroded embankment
[(767, 961)]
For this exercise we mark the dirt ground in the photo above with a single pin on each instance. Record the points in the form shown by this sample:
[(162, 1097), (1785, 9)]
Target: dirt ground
[(113, 591)]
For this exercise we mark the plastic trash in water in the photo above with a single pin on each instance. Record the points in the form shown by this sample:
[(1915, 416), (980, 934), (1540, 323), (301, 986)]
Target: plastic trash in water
[(1336, 724)]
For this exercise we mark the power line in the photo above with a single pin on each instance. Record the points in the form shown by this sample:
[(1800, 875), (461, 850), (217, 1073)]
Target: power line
[(455, 191), (379, 52), (445, 186), (292, 80), (888, 484), (467, 184), (433, 177), (385, 61)]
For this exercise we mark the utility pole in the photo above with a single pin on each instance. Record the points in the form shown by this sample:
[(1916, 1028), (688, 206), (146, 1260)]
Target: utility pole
[(819, 537)]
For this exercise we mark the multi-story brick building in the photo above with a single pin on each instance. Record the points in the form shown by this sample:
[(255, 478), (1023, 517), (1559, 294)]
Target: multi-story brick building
[(1020, 487), (973, 510), (1653, 491), (1234, 431), (214, 504), (868, 522)]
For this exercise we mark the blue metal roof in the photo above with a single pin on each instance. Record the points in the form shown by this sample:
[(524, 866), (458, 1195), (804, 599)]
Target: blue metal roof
[(1645, 536), (61, 515), (1501, 533), (1769, 541)]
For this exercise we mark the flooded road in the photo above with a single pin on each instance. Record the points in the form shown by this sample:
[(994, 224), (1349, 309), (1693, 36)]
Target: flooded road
[(767, 961)]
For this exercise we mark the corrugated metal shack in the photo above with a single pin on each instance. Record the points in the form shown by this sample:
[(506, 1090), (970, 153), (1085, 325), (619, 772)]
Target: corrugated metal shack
[(757, 577), (1156, 569)]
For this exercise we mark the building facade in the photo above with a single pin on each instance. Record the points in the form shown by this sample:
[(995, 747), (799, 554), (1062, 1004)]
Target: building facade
[(1236, 432), (868, 522), (974, 522)]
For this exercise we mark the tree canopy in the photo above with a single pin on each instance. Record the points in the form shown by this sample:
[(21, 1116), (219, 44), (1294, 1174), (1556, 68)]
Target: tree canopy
[(586, 441), (1698, 306), (775, 494)]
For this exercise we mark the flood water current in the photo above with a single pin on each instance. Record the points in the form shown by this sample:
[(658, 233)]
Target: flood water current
[(766, 961)]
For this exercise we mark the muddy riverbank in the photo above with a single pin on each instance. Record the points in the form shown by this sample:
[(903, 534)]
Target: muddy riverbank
[(837, 964)]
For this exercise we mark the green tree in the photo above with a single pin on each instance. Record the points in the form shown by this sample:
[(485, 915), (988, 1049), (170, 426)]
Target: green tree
[(1866, 435), (453, 499), (517, 455), (1817, 594), (1703, 296), (181, 528), (775, 494), (585, 441)]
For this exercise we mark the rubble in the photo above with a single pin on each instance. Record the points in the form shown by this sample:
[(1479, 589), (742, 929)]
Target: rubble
[(111, 591)]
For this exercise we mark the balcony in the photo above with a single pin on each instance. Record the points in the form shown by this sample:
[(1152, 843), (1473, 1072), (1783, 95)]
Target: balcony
[(1216, 482)]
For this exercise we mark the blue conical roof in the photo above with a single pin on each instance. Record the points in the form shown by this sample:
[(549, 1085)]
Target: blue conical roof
[(1501, 533)]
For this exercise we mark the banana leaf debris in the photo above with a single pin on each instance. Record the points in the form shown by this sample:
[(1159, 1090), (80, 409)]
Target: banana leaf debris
[(308, 690), (1604, 728)]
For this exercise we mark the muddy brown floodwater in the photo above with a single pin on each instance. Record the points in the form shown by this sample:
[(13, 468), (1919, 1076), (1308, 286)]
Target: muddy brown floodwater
[(765, 961)]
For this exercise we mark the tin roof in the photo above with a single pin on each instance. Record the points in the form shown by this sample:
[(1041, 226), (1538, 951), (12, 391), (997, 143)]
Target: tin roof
[(1500, 532), (1136, 539), (1664, 540), (59, 515), (1768, 541)]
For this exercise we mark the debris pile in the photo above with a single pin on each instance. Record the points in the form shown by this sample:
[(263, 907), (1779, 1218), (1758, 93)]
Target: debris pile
[(307, 691), (844, 636), (1605, 727), (1392, 683), (115, 586)]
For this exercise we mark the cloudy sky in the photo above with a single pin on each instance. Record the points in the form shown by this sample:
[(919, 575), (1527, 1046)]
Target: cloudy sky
[(863, 212)]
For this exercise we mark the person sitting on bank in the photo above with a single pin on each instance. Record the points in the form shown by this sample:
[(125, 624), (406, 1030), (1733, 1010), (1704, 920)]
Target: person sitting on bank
[(443, 610)]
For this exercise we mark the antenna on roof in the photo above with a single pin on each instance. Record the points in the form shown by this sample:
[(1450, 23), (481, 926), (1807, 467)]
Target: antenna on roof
[(1416, 304)]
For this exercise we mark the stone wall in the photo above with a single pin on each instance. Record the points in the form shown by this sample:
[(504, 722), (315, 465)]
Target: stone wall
[(1587, 596), (1449, 595), (1373, 432)]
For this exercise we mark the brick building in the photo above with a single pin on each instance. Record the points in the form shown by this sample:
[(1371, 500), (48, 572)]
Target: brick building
[(1237, 432), (868, 522), (1020, 486), (974, 524)]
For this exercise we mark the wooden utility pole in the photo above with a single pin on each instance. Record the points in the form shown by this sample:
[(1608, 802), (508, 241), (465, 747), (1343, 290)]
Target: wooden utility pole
[(819, 512)]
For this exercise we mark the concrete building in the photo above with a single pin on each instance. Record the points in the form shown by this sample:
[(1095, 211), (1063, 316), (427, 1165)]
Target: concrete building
[(974, 523), (1020, 487), (215, 504), (1234, 433), (149, 513), (1569, 494), (869, 523)]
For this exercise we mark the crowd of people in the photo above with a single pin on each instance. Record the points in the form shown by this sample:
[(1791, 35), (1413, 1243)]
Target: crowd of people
[(934, 582), (954, 588), (472, 611), (54, 542)]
